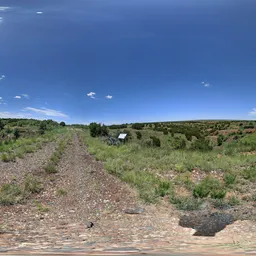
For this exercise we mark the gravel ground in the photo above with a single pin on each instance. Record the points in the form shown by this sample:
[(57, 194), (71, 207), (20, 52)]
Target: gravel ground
[(120, 220)]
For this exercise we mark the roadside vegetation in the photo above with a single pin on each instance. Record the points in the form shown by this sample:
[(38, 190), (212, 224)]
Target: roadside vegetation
[(187, 162), (19, 137)]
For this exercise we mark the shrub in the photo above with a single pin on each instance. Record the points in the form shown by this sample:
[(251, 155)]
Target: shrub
[(155, 141), (220, 139), (7, 157), (10, 194), (201, 145), (179, 143), (50, 168), (137, 126), (165, 132), (32, 185), (185, 203), (250, 174), (229, 179), (16, 133), (148, 142), (139, 135), (62, 124), (163, 188), (209, 186), (61, 192), (233, 201)]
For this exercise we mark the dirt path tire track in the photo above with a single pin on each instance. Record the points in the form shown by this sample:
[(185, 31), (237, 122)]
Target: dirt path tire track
[(94, 195)]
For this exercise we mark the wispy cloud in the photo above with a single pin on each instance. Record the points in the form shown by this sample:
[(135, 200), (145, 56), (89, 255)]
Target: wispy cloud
[(91, 95), (205, 84), (39, 13), (2, 76), (47, 112), (4, 8), (26, 96), (253, 112), (109, 97), (7, 114)]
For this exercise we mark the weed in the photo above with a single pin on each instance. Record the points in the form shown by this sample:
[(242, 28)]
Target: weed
[(41, 207), (185, 203), (50, 168), (7, 157), (229, 179), (61, 192), (250, 174), (163, 188), (10, 194), (32, 185), (233, 201), (209, 186)]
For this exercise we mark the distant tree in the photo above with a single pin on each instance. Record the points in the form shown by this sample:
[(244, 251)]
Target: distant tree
[(16, 133), (1, 125), (137, 126), (139, 135), (62, 124), (220, 139), (201, 145), (42, 127), (179, 143), (155, 141), (165, 131), (97, 130)]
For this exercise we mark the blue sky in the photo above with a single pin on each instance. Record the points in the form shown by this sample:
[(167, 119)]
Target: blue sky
[(117, 61)]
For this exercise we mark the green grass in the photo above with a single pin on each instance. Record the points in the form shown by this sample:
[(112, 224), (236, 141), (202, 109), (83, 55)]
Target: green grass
[(138, 164), (24, 145), (10, 194)]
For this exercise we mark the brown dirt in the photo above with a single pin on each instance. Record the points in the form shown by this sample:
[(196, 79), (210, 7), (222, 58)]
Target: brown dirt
[(95, 196)]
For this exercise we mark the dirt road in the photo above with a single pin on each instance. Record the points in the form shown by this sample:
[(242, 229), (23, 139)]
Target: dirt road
[(93, 195)]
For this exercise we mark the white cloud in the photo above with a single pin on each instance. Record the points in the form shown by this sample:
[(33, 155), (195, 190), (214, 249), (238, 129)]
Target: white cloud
[(206, 85), (4, 8), (39, 12), (6, 114), (26, 96), (1, 98), (253, 112), (47, 112), (2, 77), (17, 97), (109, 97), (202, 83), (91, 95)]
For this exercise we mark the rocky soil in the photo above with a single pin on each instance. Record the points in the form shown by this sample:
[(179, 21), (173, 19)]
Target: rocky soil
[(83, 208)]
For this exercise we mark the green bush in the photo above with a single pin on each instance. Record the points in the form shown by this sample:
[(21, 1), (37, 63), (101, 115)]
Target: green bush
[(163, 188), (250, 174), (137, 126), (185, 203), (155, 141), (139, 135), (32, 185), (10, 194), (229, 179), (62, 124), (178, 143), (209, 186), (201, 145), (220, 139), (50, 168)]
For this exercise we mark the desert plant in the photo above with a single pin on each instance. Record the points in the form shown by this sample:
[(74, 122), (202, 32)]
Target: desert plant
[(201, 145), (10, 194), (155, 141), (163, 188), (139, 135), (229, 179), (209, 186)]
